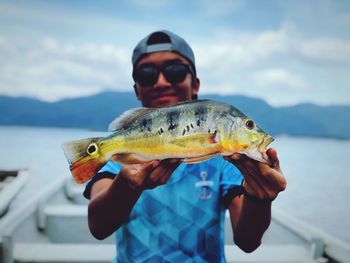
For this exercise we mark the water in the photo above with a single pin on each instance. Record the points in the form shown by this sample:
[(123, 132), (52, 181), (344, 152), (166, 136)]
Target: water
[(38, 150), (318, 187), (318, 178)]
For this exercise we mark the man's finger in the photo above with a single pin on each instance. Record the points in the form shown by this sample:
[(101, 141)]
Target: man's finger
[(272, 154), (253, 187), (164, 168), (165, 177)]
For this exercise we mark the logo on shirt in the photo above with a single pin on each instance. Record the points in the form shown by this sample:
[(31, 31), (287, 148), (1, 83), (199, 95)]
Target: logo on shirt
[(204, 187)]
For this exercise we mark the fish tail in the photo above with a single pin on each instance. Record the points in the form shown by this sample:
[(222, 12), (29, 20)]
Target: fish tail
[(83, 171), (84, 158)]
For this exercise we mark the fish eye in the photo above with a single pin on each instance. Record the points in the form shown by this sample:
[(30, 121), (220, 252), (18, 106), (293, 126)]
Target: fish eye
[(92, 148), (250, 124)]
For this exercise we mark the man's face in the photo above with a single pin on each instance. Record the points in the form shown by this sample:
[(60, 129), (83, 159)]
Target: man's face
[(162, 93)]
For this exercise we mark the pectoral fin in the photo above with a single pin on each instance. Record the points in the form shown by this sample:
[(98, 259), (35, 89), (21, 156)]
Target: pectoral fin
[(200, 158), (128, 158)]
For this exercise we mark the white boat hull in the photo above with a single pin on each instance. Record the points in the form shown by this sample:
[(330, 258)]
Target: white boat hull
[(52, 227)]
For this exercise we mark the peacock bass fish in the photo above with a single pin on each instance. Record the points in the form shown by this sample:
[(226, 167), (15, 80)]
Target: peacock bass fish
[(193, 131)]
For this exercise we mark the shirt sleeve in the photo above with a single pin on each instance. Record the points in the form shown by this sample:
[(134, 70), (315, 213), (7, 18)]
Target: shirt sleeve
[(109, 170), (231, 181)]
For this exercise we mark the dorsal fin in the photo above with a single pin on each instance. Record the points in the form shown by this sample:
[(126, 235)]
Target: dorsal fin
[(191, 102), (127, 118)]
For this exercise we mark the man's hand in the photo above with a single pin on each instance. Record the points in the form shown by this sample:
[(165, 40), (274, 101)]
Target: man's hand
[(260, 180), (149, 175)]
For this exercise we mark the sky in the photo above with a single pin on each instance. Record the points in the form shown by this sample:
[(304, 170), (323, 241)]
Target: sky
[(285, 52)]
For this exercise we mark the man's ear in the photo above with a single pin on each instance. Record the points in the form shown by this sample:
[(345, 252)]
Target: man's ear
[(195, 88), (136, 92)]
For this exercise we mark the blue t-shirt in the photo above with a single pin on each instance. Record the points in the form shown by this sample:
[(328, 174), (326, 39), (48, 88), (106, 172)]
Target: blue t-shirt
[(181, 221)]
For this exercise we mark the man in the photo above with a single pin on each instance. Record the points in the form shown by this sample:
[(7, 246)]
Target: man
[(165, 211)]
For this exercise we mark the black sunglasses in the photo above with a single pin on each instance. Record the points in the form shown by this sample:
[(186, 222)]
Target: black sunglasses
[(147, 74)]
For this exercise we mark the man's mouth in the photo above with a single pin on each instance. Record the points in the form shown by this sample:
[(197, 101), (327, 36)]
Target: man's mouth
[(164, 96)]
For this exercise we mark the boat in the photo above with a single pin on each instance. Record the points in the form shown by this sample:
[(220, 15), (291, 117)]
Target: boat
[(51, 226), (11, 181)]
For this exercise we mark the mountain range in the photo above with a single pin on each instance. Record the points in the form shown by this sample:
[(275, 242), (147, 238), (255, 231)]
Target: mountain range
[(97, 111)]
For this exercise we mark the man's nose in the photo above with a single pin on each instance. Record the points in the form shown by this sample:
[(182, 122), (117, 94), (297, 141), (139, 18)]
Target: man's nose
[(161, 81)]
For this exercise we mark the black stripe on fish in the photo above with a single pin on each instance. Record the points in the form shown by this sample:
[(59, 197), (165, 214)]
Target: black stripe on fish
[(146, 125), (160, 131), (187, 129), (173, 120), (200, 114)]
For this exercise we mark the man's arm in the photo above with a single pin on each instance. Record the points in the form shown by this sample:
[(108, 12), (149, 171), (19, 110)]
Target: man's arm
[(249, 222), (251, 215), (111, 201)]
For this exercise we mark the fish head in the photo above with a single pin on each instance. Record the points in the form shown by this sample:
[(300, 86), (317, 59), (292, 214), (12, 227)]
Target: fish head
[(250, 140), (85, 158)]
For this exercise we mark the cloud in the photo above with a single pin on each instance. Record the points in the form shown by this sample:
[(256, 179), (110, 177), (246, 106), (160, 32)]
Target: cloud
[(31, 20), (52, 70), (229, 62), (280, 78), (244, 50), (325, 51)]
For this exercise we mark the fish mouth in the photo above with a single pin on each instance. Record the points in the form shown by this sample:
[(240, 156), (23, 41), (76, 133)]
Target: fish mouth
[(266, 140), (259, 153)]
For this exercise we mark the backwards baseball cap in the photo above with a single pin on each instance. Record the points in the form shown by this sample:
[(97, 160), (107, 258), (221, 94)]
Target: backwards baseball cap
[(163, 41)]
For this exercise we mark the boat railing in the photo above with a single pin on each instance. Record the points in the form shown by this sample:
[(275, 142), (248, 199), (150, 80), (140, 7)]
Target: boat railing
[(320, 240), (12, 220), (10, 183)]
